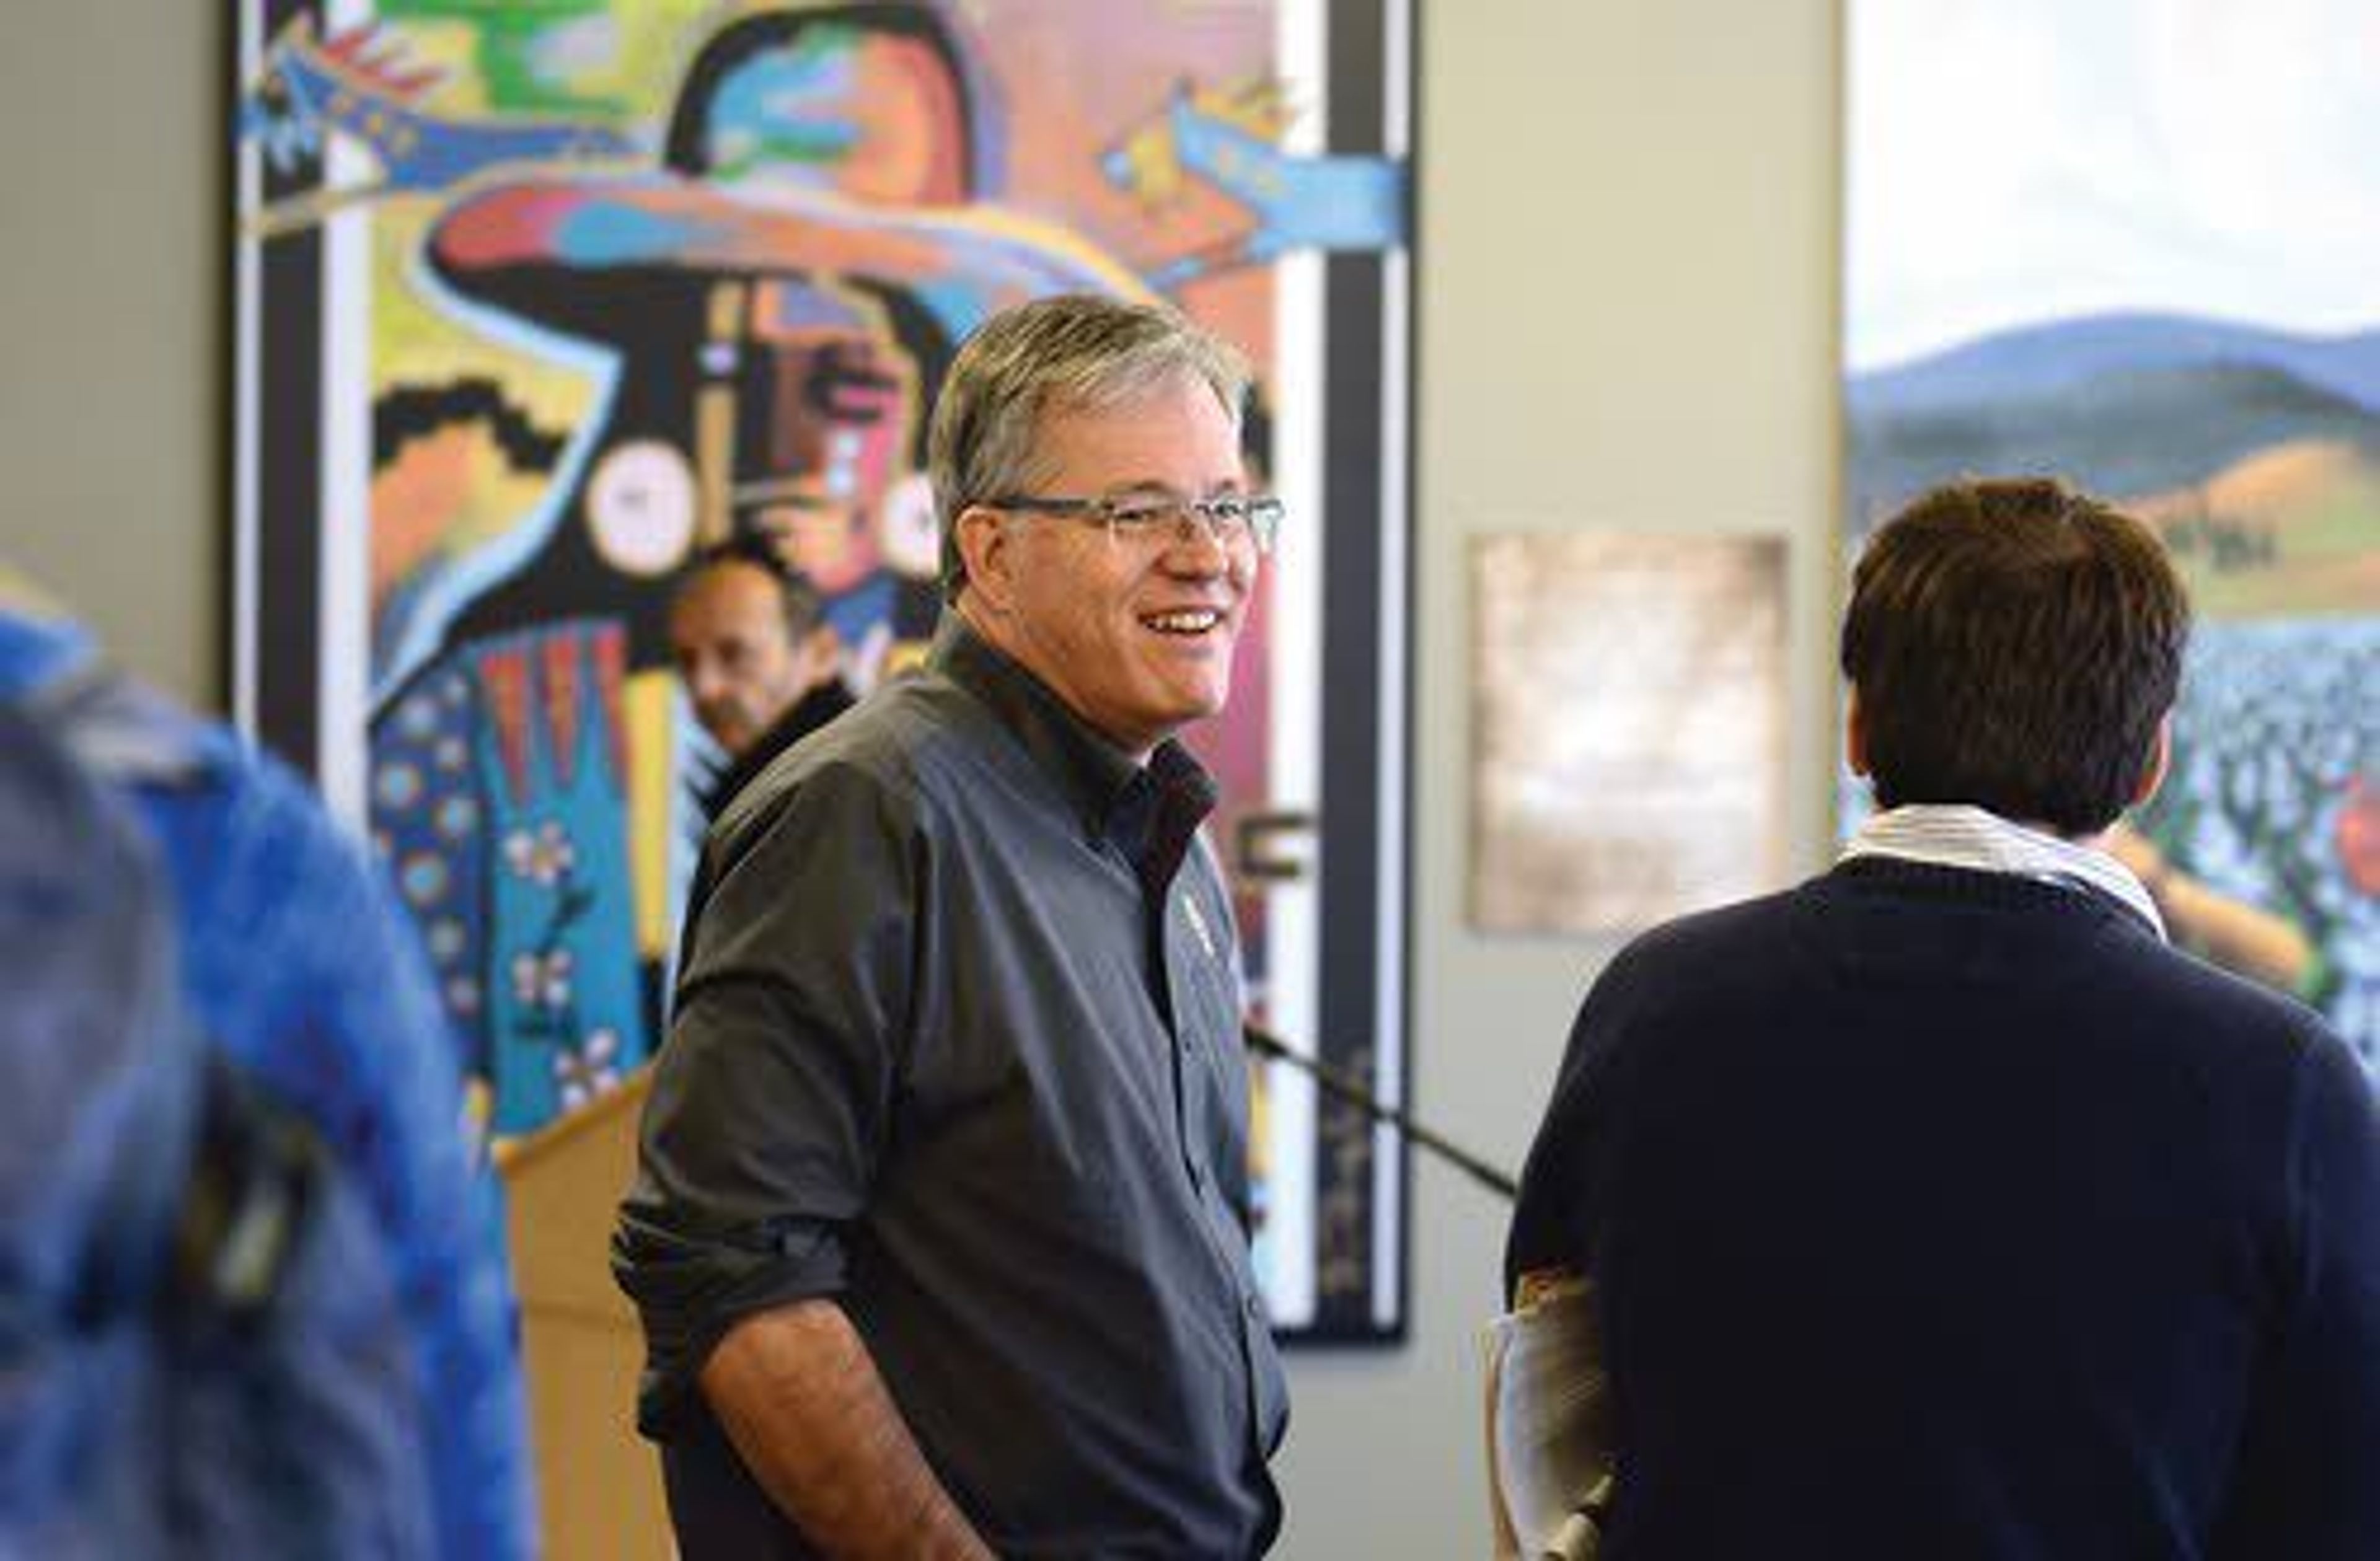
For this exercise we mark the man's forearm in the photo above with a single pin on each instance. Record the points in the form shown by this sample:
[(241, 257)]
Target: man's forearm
[(800, 1397)]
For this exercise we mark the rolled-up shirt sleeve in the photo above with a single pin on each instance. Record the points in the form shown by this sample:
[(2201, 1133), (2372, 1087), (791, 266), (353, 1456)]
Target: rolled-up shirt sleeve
[(770, 1103)]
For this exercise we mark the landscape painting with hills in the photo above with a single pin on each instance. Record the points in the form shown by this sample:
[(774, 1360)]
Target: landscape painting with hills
[(2102, 287)]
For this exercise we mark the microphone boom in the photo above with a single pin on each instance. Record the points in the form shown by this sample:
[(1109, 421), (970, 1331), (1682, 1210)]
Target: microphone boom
[(1342, 1087)]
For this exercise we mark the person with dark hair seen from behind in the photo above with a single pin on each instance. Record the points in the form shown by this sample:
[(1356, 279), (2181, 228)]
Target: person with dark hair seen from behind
[(756, 656), (1937, 1207), (939, 1231)]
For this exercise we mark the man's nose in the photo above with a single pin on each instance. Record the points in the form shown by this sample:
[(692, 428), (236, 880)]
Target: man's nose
[(1199, 548)]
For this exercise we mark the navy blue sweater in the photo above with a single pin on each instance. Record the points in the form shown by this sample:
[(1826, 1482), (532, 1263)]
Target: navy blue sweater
[(1937, 1213)]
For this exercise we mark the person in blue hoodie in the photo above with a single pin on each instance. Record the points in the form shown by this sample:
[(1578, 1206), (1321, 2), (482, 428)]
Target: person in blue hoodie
[(296, 964)]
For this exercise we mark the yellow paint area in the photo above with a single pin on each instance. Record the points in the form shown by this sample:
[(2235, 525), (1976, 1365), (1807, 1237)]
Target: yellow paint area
[(647, 709)]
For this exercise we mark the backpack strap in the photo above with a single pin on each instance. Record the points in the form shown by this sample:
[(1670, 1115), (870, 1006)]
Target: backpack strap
[(253, 1183)]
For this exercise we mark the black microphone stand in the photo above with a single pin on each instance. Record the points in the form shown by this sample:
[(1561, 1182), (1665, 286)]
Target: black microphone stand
[(1342, 1087)]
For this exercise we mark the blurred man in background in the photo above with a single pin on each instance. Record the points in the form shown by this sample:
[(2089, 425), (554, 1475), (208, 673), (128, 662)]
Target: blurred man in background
[(758, 657)]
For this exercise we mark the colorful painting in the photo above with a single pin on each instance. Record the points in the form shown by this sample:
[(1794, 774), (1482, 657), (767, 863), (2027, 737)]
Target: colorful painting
[(2133, 244), (536, 297)]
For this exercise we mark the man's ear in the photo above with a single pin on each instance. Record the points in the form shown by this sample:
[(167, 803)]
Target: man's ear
[(2160, 760), (991, 556), (1854, 732)]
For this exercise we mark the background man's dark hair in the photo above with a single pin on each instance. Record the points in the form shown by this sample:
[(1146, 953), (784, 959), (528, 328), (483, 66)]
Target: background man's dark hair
[(2014, 645), (803, 604)]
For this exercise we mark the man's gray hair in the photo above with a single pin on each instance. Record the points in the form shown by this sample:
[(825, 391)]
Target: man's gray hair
[(1072, 353)]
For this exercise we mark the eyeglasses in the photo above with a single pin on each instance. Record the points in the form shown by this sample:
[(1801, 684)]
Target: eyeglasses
[(1152, 521)]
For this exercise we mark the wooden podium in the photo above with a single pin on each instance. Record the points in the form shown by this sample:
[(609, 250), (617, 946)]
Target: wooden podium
[(599, 1483)]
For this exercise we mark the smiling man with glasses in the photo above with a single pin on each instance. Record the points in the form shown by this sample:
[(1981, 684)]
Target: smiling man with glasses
[(940, 1229)]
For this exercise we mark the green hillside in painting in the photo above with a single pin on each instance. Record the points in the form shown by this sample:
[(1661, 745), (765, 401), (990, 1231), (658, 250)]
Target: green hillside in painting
[(2259, 464), (2291, 531), (2117, 434)]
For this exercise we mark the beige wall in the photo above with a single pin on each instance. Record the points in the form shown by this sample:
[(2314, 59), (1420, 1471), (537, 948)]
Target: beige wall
[(1628, 293), (1627, 296), (111, 428)]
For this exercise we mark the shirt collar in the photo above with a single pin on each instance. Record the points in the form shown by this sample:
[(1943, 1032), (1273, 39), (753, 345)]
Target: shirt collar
[(1961, 835), (1109, 791)]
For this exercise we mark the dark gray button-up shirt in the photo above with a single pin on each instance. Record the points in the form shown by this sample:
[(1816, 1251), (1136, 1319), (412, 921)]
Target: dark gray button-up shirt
[(939, 1054)]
